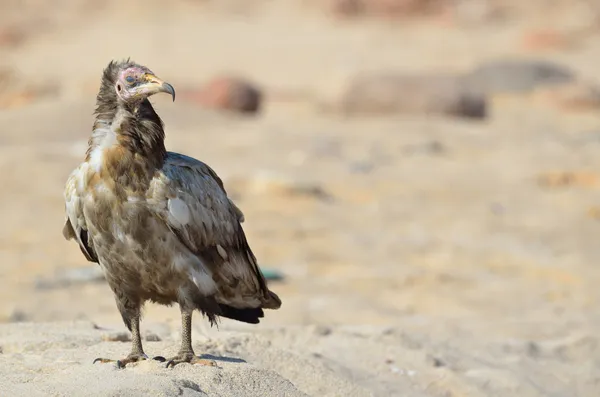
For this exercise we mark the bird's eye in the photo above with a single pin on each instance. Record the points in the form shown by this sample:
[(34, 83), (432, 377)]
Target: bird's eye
[(129, 79)]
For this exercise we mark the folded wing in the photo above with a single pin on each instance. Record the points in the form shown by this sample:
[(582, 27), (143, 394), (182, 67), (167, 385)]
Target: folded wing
[(191, 199), (75, 227)]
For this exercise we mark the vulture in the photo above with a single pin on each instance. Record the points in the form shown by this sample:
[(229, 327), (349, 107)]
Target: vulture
[(158, 223)]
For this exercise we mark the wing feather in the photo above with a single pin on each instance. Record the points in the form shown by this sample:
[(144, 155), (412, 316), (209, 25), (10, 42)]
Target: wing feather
[(75, 227), (190, 197)]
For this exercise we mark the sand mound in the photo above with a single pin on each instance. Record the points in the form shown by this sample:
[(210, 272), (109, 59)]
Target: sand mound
[(56, 359)]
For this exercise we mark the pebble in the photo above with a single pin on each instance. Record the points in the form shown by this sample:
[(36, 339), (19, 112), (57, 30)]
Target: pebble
[(228, 93), (117, 337), (151, 337)]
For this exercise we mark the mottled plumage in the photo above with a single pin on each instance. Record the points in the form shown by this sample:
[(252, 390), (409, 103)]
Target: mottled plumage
[(159, 223)]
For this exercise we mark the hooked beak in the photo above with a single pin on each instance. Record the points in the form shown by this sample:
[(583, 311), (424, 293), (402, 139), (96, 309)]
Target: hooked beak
[(154, 85)]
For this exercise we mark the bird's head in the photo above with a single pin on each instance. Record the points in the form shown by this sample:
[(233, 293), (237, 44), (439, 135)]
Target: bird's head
[(133, 82)]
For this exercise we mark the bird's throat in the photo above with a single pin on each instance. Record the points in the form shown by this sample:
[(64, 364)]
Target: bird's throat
[(129, 147)]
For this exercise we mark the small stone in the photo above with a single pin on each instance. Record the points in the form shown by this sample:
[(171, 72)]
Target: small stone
[(435, 361), (323, 330), (117, 337), (533, 350), (151, 337), (228, 93), (17, 316)]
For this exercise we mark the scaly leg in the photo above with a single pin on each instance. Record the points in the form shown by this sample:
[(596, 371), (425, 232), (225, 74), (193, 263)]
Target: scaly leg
[(186, 353), (137, 352)]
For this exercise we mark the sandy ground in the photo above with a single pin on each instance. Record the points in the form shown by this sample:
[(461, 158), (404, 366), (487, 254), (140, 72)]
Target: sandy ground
[(436, 264)]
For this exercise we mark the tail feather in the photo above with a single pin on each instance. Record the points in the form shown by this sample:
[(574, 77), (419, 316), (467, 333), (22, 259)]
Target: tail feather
[(251, 316), (273, 302)]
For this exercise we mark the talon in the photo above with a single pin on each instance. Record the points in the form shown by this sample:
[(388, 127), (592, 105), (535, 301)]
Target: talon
[(159, 359), (102, 360), (123, 362), (190, 359)]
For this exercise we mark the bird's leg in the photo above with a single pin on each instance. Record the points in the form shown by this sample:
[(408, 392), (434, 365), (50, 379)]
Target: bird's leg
[(186, 352), (137, 352)]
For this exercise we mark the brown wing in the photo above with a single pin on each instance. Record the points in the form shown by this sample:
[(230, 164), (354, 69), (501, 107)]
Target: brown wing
[(190, 198)]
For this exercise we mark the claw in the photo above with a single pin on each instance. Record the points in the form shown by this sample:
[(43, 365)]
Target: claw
[(103, 360), (192, 360), (123, 362)]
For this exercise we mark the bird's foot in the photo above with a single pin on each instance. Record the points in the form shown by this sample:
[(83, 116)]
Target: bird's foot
[(189, 358), (132, 358)]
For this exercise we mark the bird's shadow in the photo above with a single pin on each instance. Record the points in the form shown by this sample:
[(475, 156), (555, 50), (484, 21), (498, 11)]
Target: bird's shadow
[(222, 358)]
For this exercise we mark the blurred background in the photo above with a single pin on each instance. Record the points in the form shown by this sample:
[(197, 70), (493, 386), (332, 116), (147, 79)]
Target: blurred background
[(397, 160)]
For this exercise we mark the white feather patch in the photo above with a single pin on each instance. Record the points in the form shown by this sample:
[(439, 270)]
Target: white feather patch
[(222, 252), (198, 273), (97, 156), (179, 212), (118, 233), (107, 137)]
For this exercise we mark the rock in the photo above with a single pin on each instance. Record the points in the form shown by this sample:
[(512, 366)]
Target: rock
[(14, 315), (516, 76), (116, 337), (428, 93), (228, 93), (323, 330), (151, 337), (435, 361)]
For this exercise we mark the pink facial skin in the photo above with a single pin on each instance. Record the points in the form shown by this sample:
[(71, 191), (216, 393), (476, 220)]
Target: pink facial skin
[(130, 82)]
